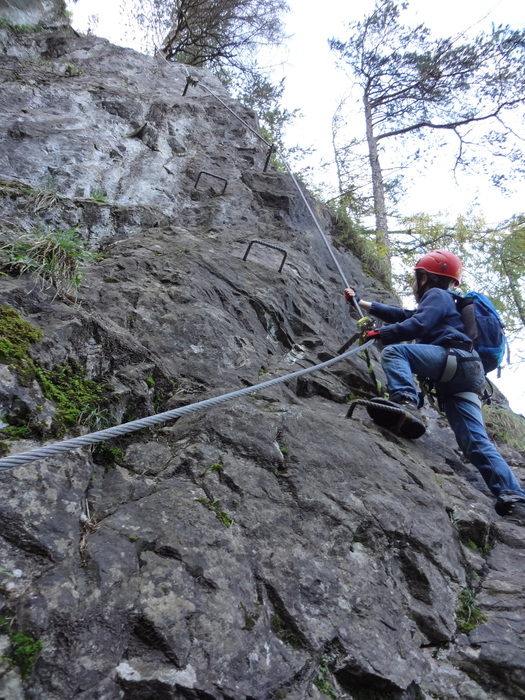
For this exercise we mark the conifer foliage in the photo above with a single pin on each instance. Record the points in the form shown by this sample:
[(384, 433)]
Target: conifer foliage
[(462, 90)]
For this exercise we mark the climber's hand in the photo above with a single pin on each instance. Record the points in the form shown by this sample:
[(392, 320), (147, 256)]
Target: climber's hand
[(352, 295)]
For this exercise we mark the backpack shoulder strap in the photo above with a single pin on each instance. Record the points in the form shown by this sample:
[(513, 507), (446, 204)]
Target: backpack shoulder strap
[(465, 306)]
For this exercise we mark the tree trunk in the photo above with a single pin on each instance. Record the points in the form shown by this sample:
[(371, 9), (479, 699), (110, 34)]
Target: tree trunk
[(378, 188), (514, 292), (336, 159)]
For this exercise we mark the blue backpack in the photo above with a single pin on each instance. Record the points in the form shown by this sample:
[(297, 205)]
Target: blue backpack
[(484, 327)]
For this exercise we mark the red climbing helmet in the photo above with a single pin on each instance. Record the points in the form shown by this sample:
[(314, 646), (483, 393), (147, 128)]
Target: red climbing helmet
[(443, 263)]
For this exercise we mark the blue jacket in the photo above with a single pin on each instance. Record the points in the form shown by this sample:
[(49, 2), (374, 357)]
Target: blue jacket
[(436, 321)]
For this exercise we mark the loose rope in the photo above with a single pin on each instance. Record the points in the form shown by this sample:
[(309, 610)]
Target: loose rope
[(132, 426)]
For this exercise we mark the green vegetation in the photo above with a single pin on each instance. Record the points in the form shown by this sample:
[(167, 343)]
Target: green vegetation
[(215, 467), (14, 189), (16, 337), (282, 630), (322, 683), (79, 399), (45, 197), (24, 652), (160, 387), (471, 535), (21, 28), (108, 456), (250, 618), (468, 614), (13, 432), (41, 64), (24, 649), (356, 239), (249, 622), (98, 196), (56, 257), (222, 515), (75, 72), (505, 426)]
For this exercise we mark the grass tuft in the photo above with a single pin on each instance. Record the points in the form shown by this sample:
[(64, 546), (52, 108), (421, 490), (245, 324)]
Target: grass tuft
[(505, 426), (468, 614), (56, 257)]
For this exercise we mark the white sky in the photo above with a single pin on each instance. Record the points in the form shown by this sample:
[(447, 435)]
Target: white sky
[(315, 86)]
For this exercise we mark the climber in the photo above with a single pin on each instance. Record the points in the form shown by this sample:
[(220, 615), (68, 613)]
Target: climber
[(438, 330)]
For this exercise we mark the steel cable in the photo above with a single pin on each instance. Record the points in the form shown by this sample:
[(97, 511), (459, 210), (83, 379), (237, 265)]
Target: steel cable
[(132, 426)]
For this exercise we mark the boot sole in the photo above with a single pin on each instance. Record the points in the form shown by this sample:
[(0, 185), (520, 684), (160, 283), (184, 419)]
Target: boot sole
[(392, 417)]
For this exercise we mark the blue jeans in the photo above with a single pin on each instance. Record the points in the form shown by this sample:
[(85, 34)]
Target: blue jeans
[(401, 362)]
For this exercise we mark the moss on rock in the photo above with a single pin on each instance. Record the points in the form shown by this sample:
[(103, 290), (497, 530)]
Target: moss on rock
[(16, 337)]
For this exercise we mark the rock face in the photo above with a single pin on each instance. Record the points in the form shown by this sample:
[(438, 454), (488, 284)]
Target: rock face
[(268, 547), (33, 13)]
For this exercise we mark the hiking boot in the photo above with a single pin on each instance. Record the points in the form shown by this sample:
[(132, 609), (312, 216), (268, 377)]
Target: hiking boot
[(408, 424), (516, 514), (407, 403), (512, 508)]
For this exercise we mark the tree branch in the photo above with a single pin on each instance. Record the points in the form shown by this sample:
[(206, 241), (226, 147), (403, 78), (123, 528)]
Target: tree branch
[(450, 125)]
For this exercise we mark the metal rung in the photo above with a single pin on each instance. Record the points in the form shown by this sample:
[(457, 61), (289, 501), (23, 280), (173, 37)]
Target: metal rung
[(189, 81), (217, 177), (268, 245), (270, 151)]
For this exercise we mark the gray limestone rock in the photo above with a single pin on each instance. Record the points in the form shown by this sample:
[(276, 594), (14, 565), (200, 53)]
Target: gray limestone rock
[(267, 547)]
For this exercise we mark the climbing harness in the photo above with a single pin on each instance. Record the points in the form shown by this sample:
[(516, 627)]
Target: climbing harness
[(132, 426), (429, 390), (452, 362)]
